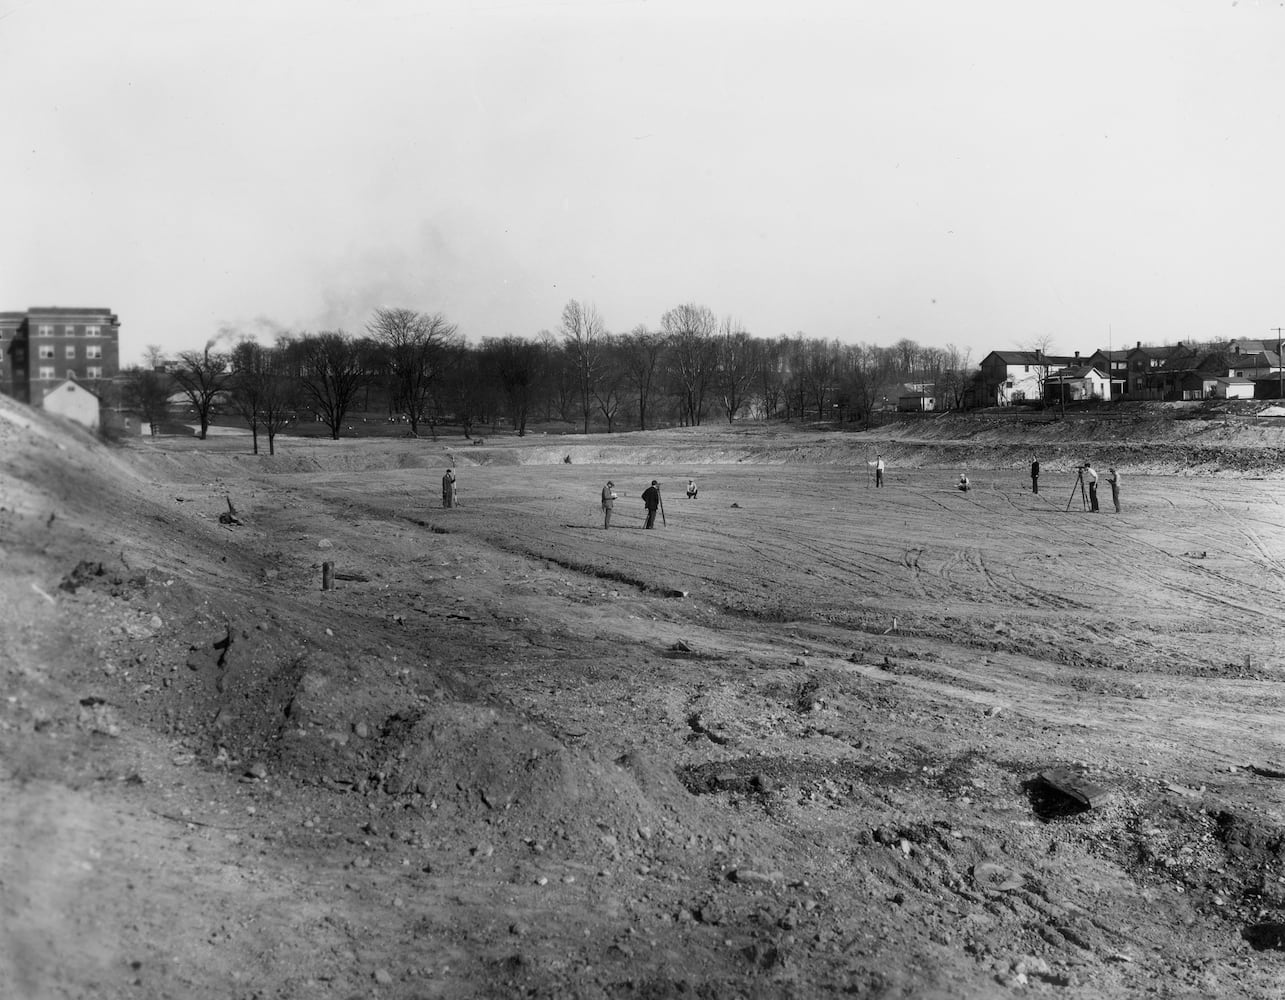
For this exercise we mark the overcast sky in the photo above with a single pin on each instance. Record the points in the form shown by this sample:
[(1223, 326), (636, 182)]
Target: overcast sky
[(985, 174)]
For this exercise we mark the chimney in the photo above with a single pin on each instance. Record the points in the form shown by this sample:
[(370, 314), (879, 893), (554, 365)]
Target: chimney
[(1139, 347), (1077, 355)]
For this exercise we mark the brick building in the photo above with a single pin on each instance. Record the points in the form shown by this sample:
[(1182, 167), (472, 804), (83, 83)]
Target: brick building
[(45, 345)]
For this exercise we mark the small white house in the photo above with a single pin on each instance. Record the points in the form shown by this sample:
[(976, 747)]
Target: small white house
[(72, 400), (1233, 388)]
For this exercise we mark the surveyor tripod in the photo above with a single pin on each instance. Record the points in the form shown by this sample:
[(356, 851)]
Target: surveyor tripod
[(1084, 494)]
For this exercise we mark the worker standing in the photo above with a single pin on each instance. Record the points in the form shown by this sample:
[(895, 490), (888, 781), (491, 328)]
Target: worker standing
[(608, 500), (651, 500)]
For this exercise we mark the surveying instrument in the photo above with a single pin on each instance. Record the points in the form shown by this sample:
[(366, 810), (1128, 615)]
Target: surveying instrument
[(1079, 486)]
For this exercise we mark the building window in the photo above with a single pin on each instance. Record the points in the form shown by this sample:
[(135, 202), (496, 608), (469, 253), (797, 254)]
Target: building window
[(46, 352), (71, 351), (93, 371), (94, 351), (91, 331), (45, 331), (69, 330), (45, 372)]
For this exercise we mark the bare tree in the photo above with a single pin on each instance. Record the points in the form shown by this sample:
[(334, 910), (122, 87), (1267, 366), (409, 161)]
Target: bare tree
[(419, 347), (690, 330), (641, 352), (517, 365), (1039, 346), (464, 394), (202, 375), (154, 356), (582, 335), (819, 368), (261, 392), (955, 378), (331, 373), (735, 365), (770, 375), (559, 377), (795, 351), (613, 379)]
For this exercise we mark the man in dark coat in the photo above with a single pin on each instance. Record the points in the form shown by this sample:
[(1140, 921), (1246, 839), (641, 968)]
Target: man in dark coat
[(608, 501), (651, 498), (1035, 475)]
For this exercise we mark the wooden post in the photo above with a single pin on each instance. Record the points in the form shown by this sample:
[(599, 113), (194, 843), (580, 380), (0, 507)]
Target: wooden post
[(327, 576)]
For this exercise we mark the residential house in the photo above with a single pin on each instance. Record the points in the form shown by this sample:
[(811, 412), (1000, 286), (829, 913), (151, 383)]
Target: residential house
[(72, 400), (1252, 346), (1077, 383), (1116, 365), (48, 344), (1143, 366), (1256, 365), (1188, 375), (1262, 366), (1008, 377)]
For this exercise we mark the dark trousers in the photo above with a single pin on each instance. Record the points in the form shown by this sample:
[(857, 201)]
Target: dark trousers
[(1035, 484), (1093, 496), (651, 518), (878, 477)]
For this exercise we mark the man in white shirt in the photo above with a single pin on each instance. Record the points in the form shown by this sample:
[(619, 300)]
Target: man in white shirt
[(1091, 478), (1113, 478)]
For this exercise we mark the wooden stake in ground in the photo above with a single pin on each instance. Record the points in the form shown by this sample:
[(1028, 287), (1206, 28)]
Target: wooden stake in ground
[(660, 500), (327, 576)]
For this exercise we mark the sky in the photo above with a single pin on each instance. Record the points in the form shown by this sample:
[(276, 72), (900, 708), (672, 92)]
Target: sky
[(985, 175)]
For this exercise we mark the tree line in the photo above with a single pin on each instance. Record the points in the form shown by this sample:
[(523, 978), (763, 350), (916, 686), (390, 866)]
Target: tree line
[(416, 368)]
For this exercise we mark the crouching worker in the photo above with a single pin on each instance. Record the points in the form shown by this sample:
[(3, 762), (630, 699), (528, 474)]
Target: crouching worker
[(691, 489), (963, 483)]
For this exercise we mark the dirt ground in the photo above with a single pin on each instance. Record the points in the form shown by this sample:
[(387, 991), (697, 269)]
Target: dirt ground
[(807, 738)]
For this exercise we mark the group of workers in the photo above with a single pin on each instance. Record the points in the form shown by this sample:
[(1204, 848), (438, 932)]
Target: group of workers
[(650, 498), (1088, 476)]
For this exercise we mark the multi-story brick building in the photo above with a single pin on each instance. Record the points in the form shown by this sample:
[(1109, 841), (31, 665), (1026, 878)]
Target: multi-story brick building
[(43, 346)]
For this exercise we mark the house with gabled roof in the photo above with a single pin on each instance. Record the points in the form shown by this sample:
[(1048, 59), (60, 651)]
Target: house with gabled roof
[(72, 400), (1008, 377), (1256, 365), (1077, 383), (1188, 375), (1115, 364), (1153, 371)]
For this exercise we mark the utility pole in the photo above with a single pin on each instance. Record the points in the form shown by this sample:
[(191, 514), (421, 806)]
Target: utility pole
[(1280, 364)]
